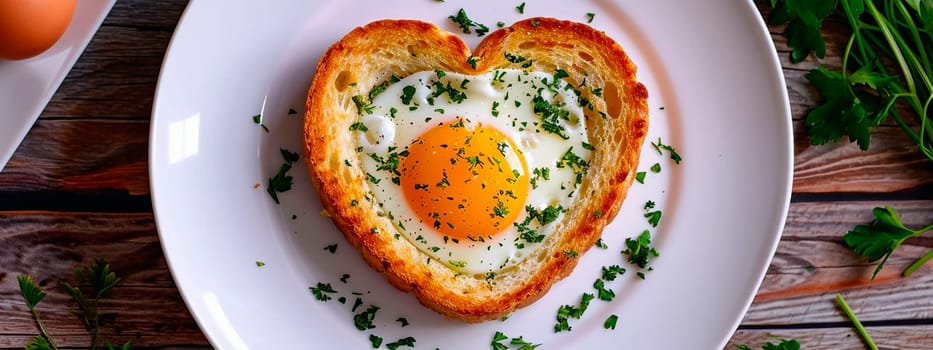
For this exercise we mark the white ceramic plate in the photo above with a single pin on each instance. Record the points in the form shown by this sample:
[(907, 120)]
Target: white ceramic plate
[(717, 95), (27, 85)]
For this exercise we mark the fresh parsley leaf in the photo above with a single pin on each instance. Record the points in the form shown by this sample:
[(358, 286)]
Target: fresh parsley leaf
[(30, 290), (844, 111), (520, 8), (878, 239), (331, 248), (260, 263), (804, 18), (403, 321), (38, 343), (589, 17), (292, 111), (783, 344)]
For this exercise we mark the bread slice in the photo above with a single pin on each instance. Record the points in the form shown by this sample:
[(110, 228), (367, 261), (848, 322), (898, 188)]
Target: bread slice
[(367, 55)]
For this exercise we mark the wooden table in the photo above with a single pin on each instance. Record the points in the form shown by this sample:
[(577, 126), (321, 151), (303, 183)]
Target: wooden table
[(78, 188)]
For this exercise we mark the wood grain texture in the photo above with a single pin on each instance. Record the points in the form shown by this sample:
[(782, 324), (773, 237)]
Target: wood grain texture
[(812, 264), (835, 338), (145, 307), (87, 155)]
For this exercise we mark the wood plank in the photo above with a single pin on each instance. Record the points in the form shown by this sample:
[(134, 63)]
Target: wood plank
[(887, 338), (892, 163), (812, 264), (47, 245), (115, 76), (71, 155), (145, 14)]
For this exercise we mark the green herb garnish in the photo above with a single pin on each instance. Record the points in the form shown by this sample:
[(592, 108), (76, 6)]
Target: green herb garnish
[(364, 320), (589, 19), (640, 251), (878, 239), (466, 23), (321, 290), (610, 322)]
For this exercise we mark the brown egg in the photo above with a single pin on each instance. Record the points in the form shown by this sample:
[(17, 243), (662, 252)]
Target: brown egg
[(29, 27)]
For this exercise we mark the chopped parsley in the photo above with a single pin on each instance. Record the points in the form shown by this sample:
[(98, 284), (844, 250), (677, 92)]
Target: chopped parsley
[(292, 111), (260, 263), (640, 176), (603, 293), (610, 322), (407, 93), (656, 168), (653, 217), (282, 182), (466, 24), (471, 61), (362, 107), (589, 19), (359, 126), (514, 58), (407, 341), (520, 8), (640, 251), (551, 113), (258, 120), (660, 147), (322, 290), (520, 343), (375, 340), (609, 273), (600, 244), (331, 248), (403, 321), (566, 312), (364, 320)]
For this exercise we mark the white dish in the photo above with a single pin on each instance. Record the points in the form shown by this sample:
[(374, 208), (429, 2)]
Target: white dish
[(27, 85), (717, 95)]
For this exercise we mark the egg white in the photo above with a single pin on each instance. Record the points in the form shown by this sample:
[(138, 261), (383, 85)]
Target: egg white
[(389, 125)]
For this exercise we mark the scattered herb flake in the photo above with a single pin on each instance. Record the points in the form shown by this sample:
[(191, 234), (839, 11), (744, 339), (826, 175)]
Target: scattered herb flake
[(322, 290)]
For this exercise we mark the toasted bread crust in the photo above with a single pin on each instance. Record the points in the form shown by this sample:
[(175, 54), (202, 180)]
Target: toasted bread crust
[(368, 54)]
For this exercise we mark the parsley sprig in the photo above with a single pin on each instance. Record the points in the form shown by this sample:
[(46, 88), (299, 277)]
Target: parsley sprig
[(878, 239), (466, 24), (99, 281), (888, 58), (783, 344)]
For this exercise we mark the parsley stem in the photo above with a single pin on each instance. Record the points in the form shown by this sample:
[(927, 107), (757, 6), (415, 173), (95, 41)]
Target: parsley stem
[(923, 260), (916, 265), (858, 324), (42, 329)]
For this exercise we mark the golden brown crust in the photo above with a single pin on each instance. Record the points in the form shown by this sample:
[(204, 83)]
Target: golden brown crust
[(368, 54)]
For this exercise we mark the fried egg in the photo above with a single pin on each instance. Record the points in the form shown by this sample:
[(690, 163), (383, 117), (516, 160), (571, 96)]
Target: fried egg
[(476, 171)]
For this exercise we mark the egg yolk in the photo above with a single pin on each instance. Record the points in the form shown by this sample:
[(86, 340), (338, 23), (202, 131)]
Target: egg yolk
[(469, 184)]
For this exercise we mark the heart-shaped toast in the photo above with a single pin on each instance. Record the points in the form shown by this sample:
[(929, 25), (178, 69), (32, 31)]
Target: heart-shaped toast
[(474, 181)]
